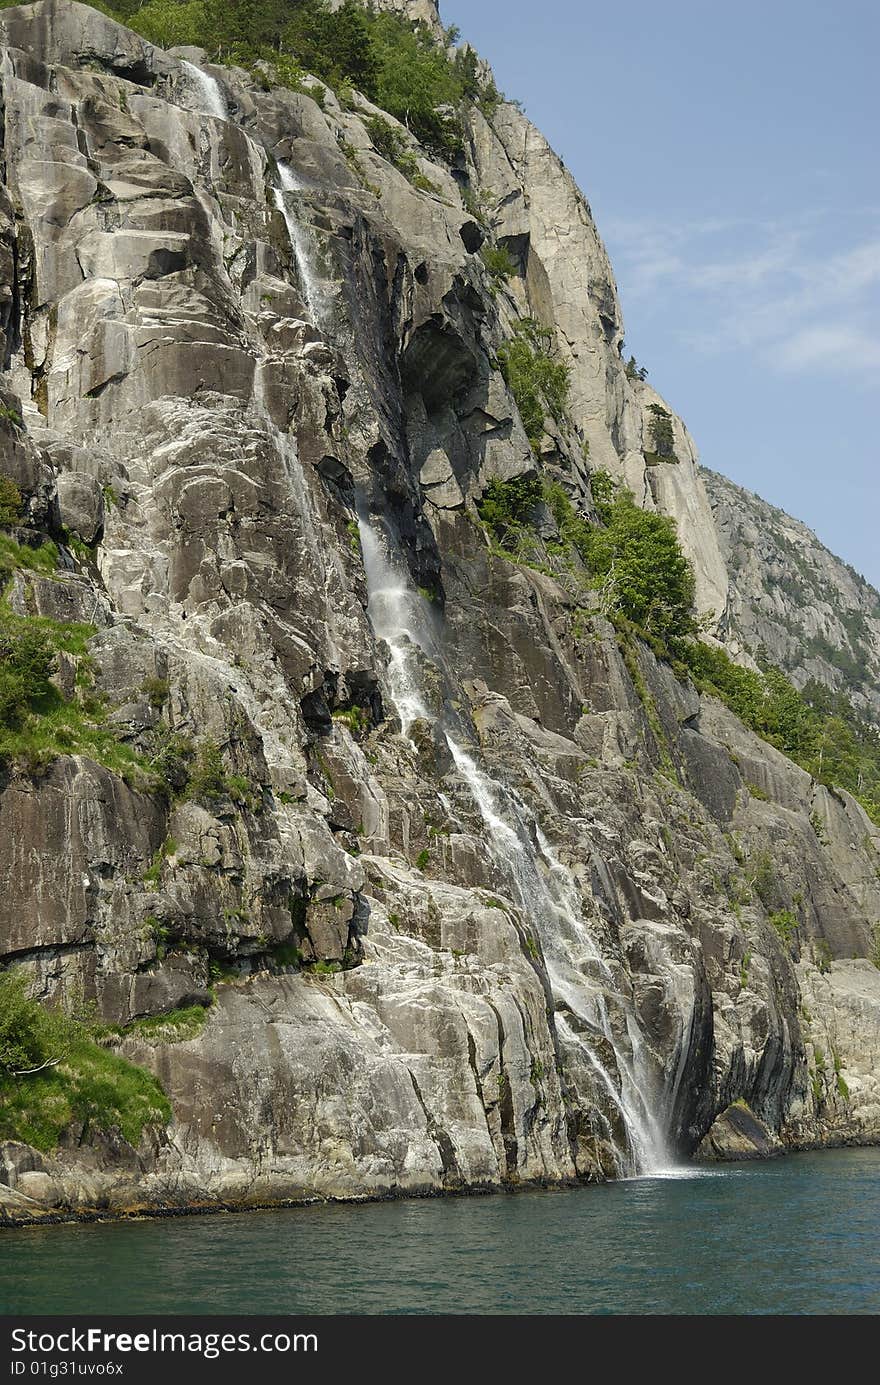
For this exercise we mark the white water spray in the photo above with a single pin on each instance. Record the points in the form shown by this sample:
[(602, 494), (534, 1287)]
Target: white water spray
[(311, 289), (393, 608), (211, 100), (580, 978)]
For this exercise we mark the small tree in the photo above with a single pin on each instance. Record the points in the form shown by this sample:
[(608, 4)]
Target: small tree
[(662, 434), (31, 1037), (635, 371), (638, 564)]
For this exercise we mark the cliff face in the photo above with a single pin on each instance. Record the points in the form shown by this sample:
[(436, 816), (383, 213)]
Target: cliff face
[(474, 895), (813, 614)]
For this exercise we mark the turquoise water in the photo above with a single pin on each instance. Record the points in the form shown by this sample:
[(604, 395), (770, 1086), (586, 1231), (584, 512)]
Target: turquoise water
[(797, 1235)]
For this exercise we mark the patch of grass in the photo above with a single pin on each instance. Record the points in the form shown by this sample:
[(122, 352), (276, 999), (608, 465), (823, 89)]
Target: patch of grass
[(172, 1028), (38, 724), (43, 559), (79, 1082), (357, 719), (423, 859), (755, 791), (323, 968)]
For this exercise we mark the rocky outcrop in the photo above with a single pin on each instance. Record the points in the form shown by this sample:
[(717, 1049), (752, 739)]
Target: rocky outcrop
[(236, 336)]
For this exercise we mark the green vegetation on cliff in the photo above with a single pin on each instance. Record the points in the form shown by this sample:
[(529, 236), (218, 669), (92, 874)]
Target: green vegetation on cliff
[(631, 562), (37, 721), (53, 1075), (537, 380), (632, 568), (815, 727), (397, 64)]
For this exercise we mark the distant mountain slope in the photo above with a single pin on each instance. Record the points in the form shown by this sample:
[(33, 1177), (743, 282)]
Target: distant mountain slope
[(813, 613)]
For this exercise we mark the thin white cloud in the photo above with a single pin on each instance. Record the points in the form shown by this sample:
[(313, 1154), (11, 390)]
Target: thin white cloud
[(832, 348), (787, 293)]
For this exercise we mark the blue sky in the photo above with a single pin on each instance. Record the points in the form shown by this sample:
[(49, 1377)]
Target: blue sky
[(729, 154)]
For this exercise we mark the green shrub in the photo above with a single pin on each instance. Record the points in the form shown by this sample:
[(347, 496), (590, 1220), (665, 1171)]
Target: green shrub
[(507, 507), (603, 489), (171, 24), (392, 145), (537, 380), (207, 780), (286, 955), (499, 262), (26, 664), (10, 502), (157, 691), (357, 719), (785, 923), (398, 64)]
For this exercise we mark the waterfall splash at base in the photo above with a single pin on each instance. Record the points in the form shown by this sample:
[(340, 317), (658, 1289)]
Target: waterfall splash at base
[(545, 891)]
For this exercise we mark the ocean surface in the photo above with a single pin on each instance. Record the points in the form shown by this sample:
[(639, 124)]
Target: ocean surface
[(796, 1235)]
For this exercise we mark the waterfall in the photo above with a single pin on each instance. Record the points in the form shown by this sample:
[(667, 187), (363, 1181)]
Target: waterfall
[(540, 885), (210, 97), (308, 282), (394, 611)]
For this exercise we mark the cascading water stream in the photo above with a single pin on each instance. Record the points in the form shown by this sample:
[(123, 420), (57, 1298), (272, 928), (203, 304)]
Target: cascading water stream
[(308, 282), (211, 99), (393, 608), (539, 883)]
